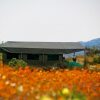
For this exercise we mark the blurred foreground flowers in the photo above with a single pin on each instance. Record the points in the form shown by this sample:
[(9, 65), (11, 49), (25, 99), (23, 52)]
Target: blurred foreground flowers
[(38, 84)]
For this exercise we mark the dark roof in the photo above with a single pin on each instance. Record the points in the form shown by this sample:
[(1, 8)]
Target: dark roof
[(44, 45), (30, 47)]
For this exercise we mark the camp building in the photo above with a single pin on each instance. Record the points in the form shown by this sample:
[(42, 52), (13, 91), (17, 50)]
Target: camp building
[(38, 52)]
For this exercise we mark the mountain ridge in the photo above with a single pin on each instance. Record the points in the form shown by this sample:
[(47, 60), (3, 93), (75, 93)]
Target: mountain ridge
[(92, 43)]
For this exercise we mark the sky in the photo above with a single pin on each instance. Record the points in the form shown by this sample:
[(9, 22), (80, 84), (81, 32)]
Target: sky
[(49, 20)]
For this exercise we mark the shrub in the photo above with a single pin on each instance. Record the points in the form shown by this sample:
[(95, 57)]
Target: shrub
[(21, 63), (96, 60), (16, 63), (13, 62)]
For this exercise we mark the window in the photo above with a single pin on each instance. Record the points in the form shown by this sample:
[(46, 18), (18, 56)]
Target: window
[(33, 57), (12, 55), (53, 57)]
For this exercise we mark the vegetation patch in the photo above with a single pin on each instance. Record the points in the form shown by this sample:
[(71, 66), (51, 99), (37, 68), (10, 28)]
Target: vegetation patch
[(16, 63)]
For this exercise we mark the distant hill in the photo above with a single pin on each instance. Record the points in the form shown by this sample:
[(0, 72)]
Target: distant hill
[(92, 43)]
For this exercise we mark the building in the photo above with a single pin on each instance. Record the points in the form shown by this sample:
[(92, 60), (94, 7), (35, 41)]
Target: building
[(44, 53)]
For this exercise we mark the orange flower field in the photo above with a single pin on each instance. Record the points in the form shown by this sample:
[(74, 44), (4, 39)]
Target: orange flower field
[(33, 84)]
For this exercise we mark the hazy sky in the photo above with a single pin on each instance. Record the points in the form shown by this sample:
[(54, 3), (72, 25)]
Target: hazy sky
[(49, 20)]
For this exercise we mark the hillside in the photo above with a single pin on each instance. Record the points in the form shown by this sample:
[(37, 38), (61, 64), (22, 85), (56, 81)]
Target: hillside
[(92, 43)]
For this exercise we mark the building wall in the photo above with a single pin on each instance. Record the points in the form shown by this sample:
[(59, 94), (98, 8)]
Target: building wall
[(43, 59), (54, 62), (5, 60)]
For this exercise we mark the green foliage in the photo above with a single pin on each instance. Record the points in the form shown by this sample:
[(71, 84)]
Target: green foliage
[(0, 56), (92, 51), (77, 95), (13, 62), (96, 60), (16, 63), (21, 63)]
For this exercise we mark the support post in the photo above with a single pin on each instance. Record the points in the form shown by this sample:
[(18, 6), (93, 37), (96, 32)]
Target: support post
[(74, 54), (85, 57), (21, 55), (43, 57)]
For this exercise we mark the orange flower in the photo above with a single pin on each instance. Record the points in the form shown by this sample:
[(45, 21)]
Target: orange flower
[(37, 82)]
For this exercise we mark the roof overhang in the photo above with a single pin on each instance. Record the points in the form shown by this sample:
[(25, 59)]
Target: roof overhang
[(40, 51)]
